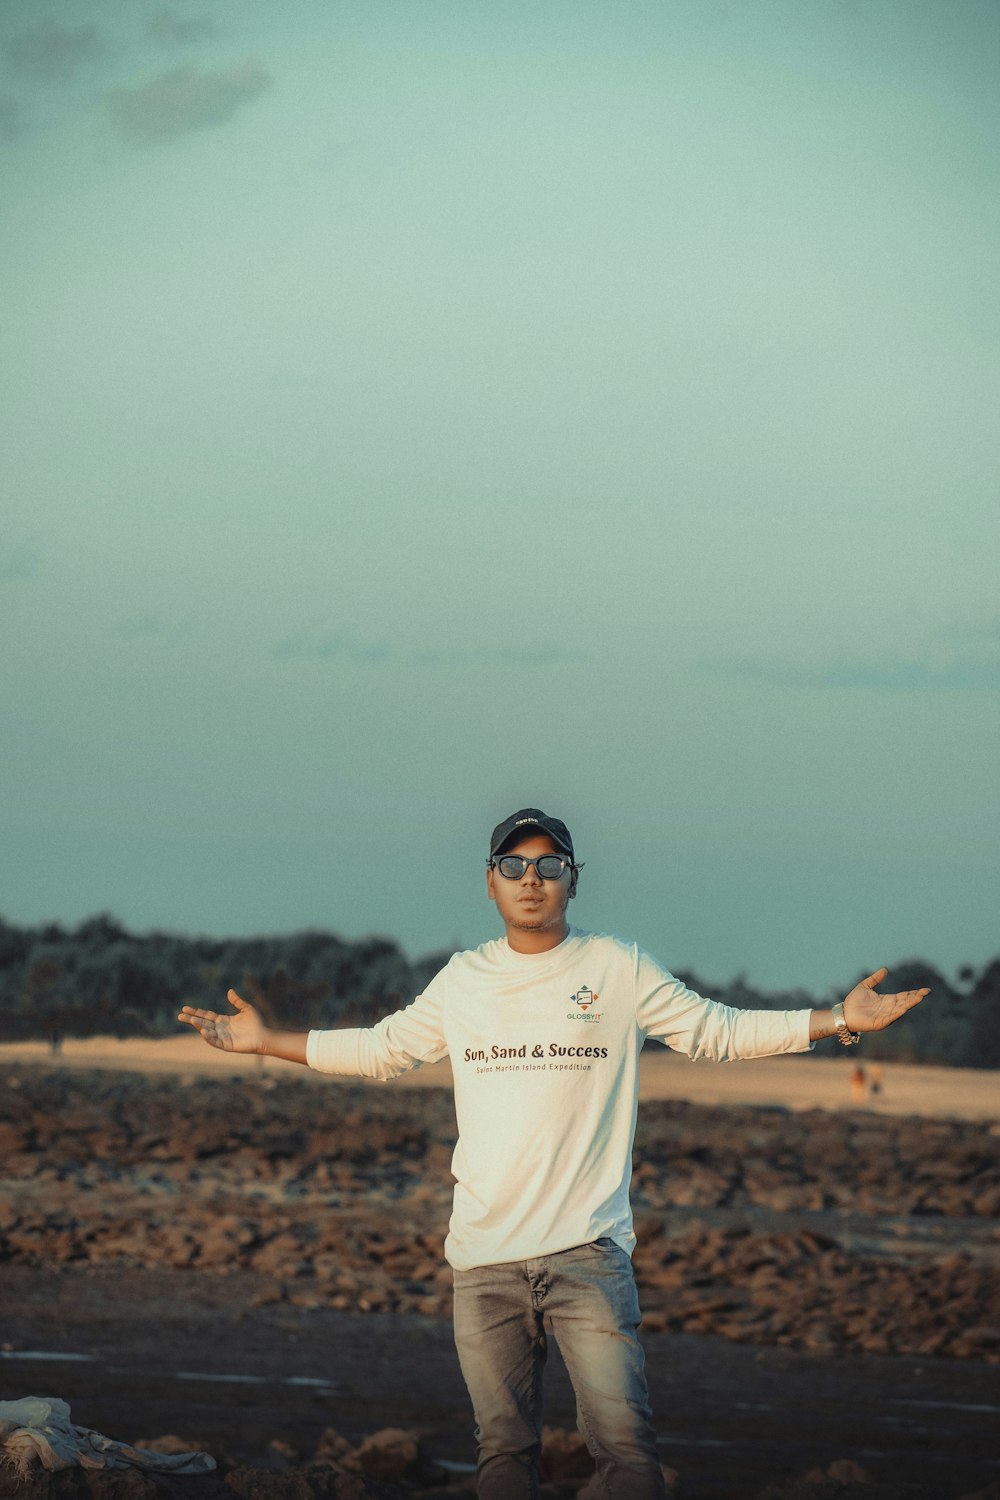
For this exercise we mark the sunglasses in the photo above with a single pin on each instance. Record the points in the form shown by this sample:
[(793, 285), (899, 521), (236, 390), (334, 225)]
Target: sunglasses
[(546, 866)]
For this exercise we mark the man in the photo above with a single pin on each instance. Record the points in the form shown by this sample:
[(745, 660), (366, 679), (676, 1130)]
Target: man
[(544, 1028)]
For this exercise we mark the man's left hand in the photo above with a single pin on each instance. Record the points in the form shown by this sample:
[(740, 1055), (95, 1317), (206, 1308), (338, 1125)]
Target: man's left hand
[(864, 1010)]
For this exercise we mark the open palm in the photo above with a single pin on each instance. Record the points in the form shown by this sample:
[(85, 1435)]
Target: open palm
[(244, 1032), (865, 1010)]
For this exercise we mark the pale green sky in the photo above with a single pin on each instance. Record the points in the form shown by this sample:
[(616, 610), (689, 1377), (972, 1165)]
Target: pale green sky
[(412, 411)]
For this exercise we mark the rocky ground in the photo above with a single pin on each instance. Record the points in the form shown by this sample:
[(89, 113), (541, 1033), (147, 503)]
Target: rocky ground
[(817, 1230), (852, 1242)]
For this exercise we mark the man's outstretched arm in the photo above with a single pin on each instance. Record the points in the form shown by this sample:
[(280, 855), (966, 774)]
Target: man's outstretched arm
[(399, 1041), (671, 1013), (865, 1010), (245, 1031)]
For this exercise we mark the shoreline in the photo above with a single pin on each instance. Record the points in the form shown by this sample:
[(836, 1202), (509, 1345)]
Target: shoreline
[(795, 1083)]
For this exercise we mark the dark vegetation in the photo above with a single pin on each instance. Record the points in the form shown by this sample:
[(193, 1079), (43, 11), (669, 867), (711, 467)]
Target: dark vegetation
[(99, 979)]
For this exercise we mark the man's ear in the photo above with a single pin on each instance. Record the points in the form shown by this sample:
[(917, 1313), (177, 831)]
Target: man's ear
[(574, 877), (491, 893)]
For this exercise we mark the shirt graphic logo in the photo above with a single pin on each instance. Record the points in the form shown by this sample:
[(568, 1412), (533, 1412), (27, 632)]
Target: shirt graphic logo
[(585, 997)]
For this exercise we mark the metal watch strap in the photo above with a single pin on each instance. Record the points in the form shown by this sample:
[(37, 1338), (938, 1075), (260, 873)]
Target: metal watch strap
[(845, 1036)]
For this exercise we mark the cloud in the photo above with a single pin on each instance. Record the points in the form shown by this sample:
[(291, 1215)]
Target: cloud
[(171, 30), (18, 561), (184, 99), (901, 675), (51, 52), (341, 644), (533, 656), (148, 627), (509, 656), (338, 643)]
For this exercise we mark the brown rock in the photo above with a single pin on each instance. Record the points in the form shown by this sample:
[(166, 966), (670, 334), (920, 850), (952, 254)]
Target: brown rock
[(263, 1484), (332, 1447), (703, 1189), (282, 1255), (121, 1484), (176, 1244), (170, 1443), (987, 1202), (281, 1455), (845, 1471), (393, 1453), (268, 1294), (313, 1482), (67, 1484)]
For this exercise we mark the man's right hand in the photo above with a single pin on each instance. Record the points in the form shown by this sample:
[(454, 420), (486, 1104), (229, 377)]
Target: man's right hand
[(244, 1032)]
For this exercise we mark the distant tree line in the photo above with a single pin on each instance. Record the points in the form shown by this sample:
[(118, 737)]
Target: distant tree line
[(98, 979)]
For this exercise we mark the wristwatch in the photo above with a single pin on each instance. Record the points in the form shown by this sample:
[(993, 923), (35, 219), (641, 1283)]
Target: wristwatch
[(845, 1036)]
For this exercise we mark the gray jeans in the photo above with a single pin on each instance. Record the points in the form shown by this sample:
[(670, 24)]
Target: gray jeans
[(588, 1295)]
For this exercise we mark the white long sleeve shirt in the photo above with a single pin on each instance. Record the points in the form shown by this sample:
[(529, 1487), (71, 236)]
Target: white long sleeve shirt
[(545, 1054)]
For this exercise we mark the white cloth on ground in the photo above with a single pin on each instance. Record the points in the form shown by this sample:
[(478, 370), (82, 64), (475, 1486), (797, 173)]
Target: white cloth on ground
[(36, 1431)]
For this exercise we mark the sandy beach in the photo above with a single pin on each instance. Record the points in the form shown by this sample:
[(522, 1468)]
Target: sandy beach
[(790, 1082)]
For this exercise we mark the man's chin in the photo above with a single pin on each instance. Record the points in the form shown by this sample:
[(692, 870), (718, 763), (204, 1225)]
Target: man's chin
[(523, 923)]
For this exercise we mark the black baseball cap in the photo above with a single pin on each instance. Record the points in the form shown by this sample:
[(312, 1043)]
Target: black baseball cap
[(531, 817)]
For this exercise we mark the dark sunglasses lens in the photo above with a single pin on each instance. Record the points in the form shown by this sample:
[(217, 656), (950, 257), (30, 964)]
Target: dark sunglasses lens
[(512, 866), (550, 867)]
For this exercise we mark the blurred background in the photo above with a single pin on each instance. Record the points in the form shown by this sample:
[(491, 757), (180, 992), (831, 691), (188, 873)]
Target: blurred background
[(416, 411)]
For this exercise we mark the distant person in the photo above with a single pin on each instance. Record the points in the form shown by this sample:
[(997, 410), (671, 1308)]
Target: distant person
[(544, 1027), (858, 1085), (875, 1080)]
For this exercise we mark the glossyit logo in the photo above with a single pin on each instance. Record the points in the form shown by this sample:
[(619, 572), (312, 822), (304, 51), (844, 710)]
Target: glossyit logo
[(585, 999)]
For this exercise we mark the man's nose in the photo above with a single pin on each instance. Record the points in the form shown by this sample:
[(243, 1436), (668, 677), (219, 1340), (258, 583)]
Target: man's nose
[(531, 875)]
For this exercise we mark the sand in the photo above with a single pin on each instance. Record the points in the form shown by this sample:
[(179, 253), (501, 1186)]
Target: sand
[(798, 1083)]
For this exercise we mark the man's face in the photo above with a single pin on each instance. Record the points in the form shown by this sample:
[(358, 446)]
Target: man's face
[(532, 904)]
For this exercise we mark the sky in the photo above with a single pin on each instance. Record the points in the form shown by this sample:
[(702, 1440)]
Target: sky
[(410, 412)]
